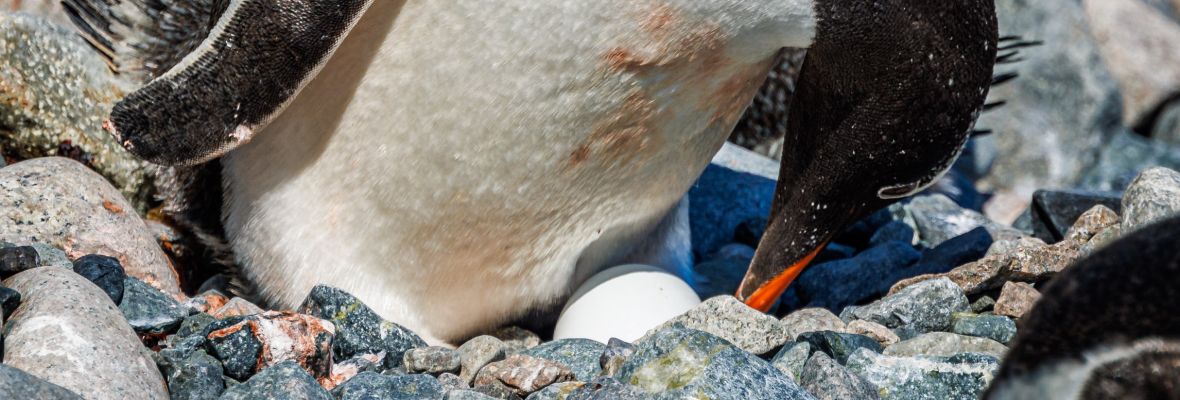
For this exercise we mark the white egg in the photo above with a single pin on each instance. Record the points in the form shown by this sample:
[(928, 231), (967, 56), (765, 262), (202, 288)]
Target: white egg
[(624, 302)]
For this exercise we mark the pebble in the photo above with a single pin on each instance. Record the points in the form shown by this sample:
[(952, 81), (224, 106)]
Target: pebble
[(1053, 212), (811, 320), (557, 391), (614, 356), (719, 276), (9, 301), (837, 284), (962, 249), (236, 307), (59, 202), (828, 380), (1016, 299), (516, 339), (791, 358), (17, 384), (1091, 223), (939, 219), (344, 370), (1152, 196), (51, 256), (1027, 260), (451, 382), (464, 394), (374, 386), (478, 352), (208, 301), (236, 346), (105, 272), (284, 381), (982, 304), (523, 374), (945, 344), (431, 360), (679, 363), (894, 231), (16, 259), (278, 337), (196, 325), (730, 319), (926, 306), (192, 375), (607, 388), (925, 378), (873, 330), (150, 311), (68, 332), (359, 330), (995, 327), (580, 355), (839, 345)]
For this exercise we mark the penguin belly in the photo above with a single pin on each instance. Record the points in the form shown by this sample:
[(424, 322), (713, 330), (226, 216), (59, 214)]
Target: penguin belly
[(458, 163)]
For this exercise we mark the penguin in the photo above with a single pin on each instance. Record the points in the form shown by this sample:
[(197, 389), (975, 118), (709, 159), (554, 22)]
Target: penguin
[(454, 164), (1107, 327)]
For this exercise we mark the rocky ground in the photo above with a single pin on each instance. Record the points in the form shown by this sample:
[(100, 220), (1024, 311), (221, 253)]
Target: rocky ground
[(917, 301)]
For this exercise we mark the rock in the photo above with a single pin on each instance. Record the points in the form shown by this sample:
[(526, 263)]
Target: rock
[(873, 330), (614, 356), (369, 385), (347, 369), (605, 388), (498, 390), (9, 301), (52, 257), (516, 339), (1136, 56), (841, 283), (280, 382), (1124, 157), (105, 272), (926, 306), (16, 259), (237, 307), (236, 346), (208, 301), (1166, 127), (749, 232), (478, 352), (1025, 260), (828, 380), (736, 187), (17, 384), (148, 310), (1016, 298), (468, 395), (945, 344), (68, 332), (995, 327), (431, 360), (984, 303), (962, 249), (838, 345), (894, 231), (791, 358), (1100, 240), (1060, 112), (1153, 196), (939, 219), (580, 355), (58, 202), (1090, 223), (719, 276), (1053, 212), (678, 362), (811, 320), (196, 325), (451, 382), (268, 339), (557, 391), (925, 378), (58, 91), (359, 330), (191, 375), (732, 320), (523, 374)]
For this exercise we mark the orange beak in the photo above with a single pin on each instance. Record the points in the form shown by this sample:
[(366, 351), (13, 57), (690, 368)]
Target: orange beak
[(768, 293)]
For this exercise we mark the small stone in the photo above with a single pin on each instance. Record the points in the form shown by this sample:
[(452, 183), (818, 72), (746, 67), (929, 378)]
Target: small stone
[(16, 259), (431, 360), (839, 345), (557, 391), (148, 310), (791, 358), (369, 385), (580, 355), (237, 347), (9, 301), (516, 339), (236, 307), (811, 320), (730, 319), (478, 352), (945, 344), (606, 388), (278, 337), (995, 327), (962, 249), (1053, 212), (894, 231), (463, 394), (194, 375), (685, 363), (828, 380), (208, 301), (359, 330), (1027, 260), (614, 356), (904, 378), (451, 382), (196, 324), (523, 374), (347, 369), (1090, 223), (105, 272), (873, 330), (939, 219), (1152, 196), (498, 390), (983, 303), (283, 381), (17, 384), (926, 306), (1016, 299), (837, 284), (1100, 240), (52, 257)]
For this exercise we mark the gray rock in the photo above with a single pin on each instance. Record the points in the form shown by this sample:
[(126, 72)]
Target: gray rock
[(737, 186), (1054, 212), (1153, 196), (373, 386), (522, 374), (580, 355), (431, 360), (236, 307), (52, 256), (274, 337), (677, 363), (605, 388), (68, 332), (946, 344), (983, 303), (925, 378), (995, 327), (839, 345), (452, 382), (556, 391), (791, 358), (106, 273), (939, 219), (811, 320), (58, 91), (614, 356), (191, 375), (237, 346), (874, 331), (148, 310), (17, 384), (1016, 299), (1027, 260), (1125, 157), (467, 395), (478, 352), (927, 306), (828, 380), (516, 339), (720, 276), (1135, 56), (730, 319), (359, 330), (280, 382), (58, 202)]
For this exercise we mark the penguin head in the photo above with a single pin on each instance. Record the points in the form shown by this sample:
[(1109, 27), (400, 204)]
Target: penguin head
[(884, 104)]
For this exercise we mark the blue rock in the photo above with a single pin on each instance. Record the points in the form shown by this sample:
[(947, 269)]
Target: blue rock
[(374, 386), (736, 187), (678, 363), (995, 327), (106, 273), (285, 380), (1053, 212), (894, 231), (359, 330), (948, 255), (194, 375), (150, 311), (838, 345), (580, 355), (837, 284)]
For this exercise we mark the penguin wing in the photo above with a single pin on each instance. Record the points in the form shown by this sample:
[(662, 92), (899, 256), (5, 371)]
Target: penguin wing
[(212, 85)]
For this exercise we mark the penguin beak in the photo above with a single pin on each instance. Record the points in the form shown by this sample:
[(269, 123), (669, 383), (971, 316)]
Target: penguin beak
[(761, 291)]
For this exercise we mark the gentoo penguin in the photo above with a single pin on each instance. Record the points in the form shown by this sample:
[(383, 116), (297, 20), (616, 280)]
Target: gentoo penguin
[(1107, 327), (455, 163)]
